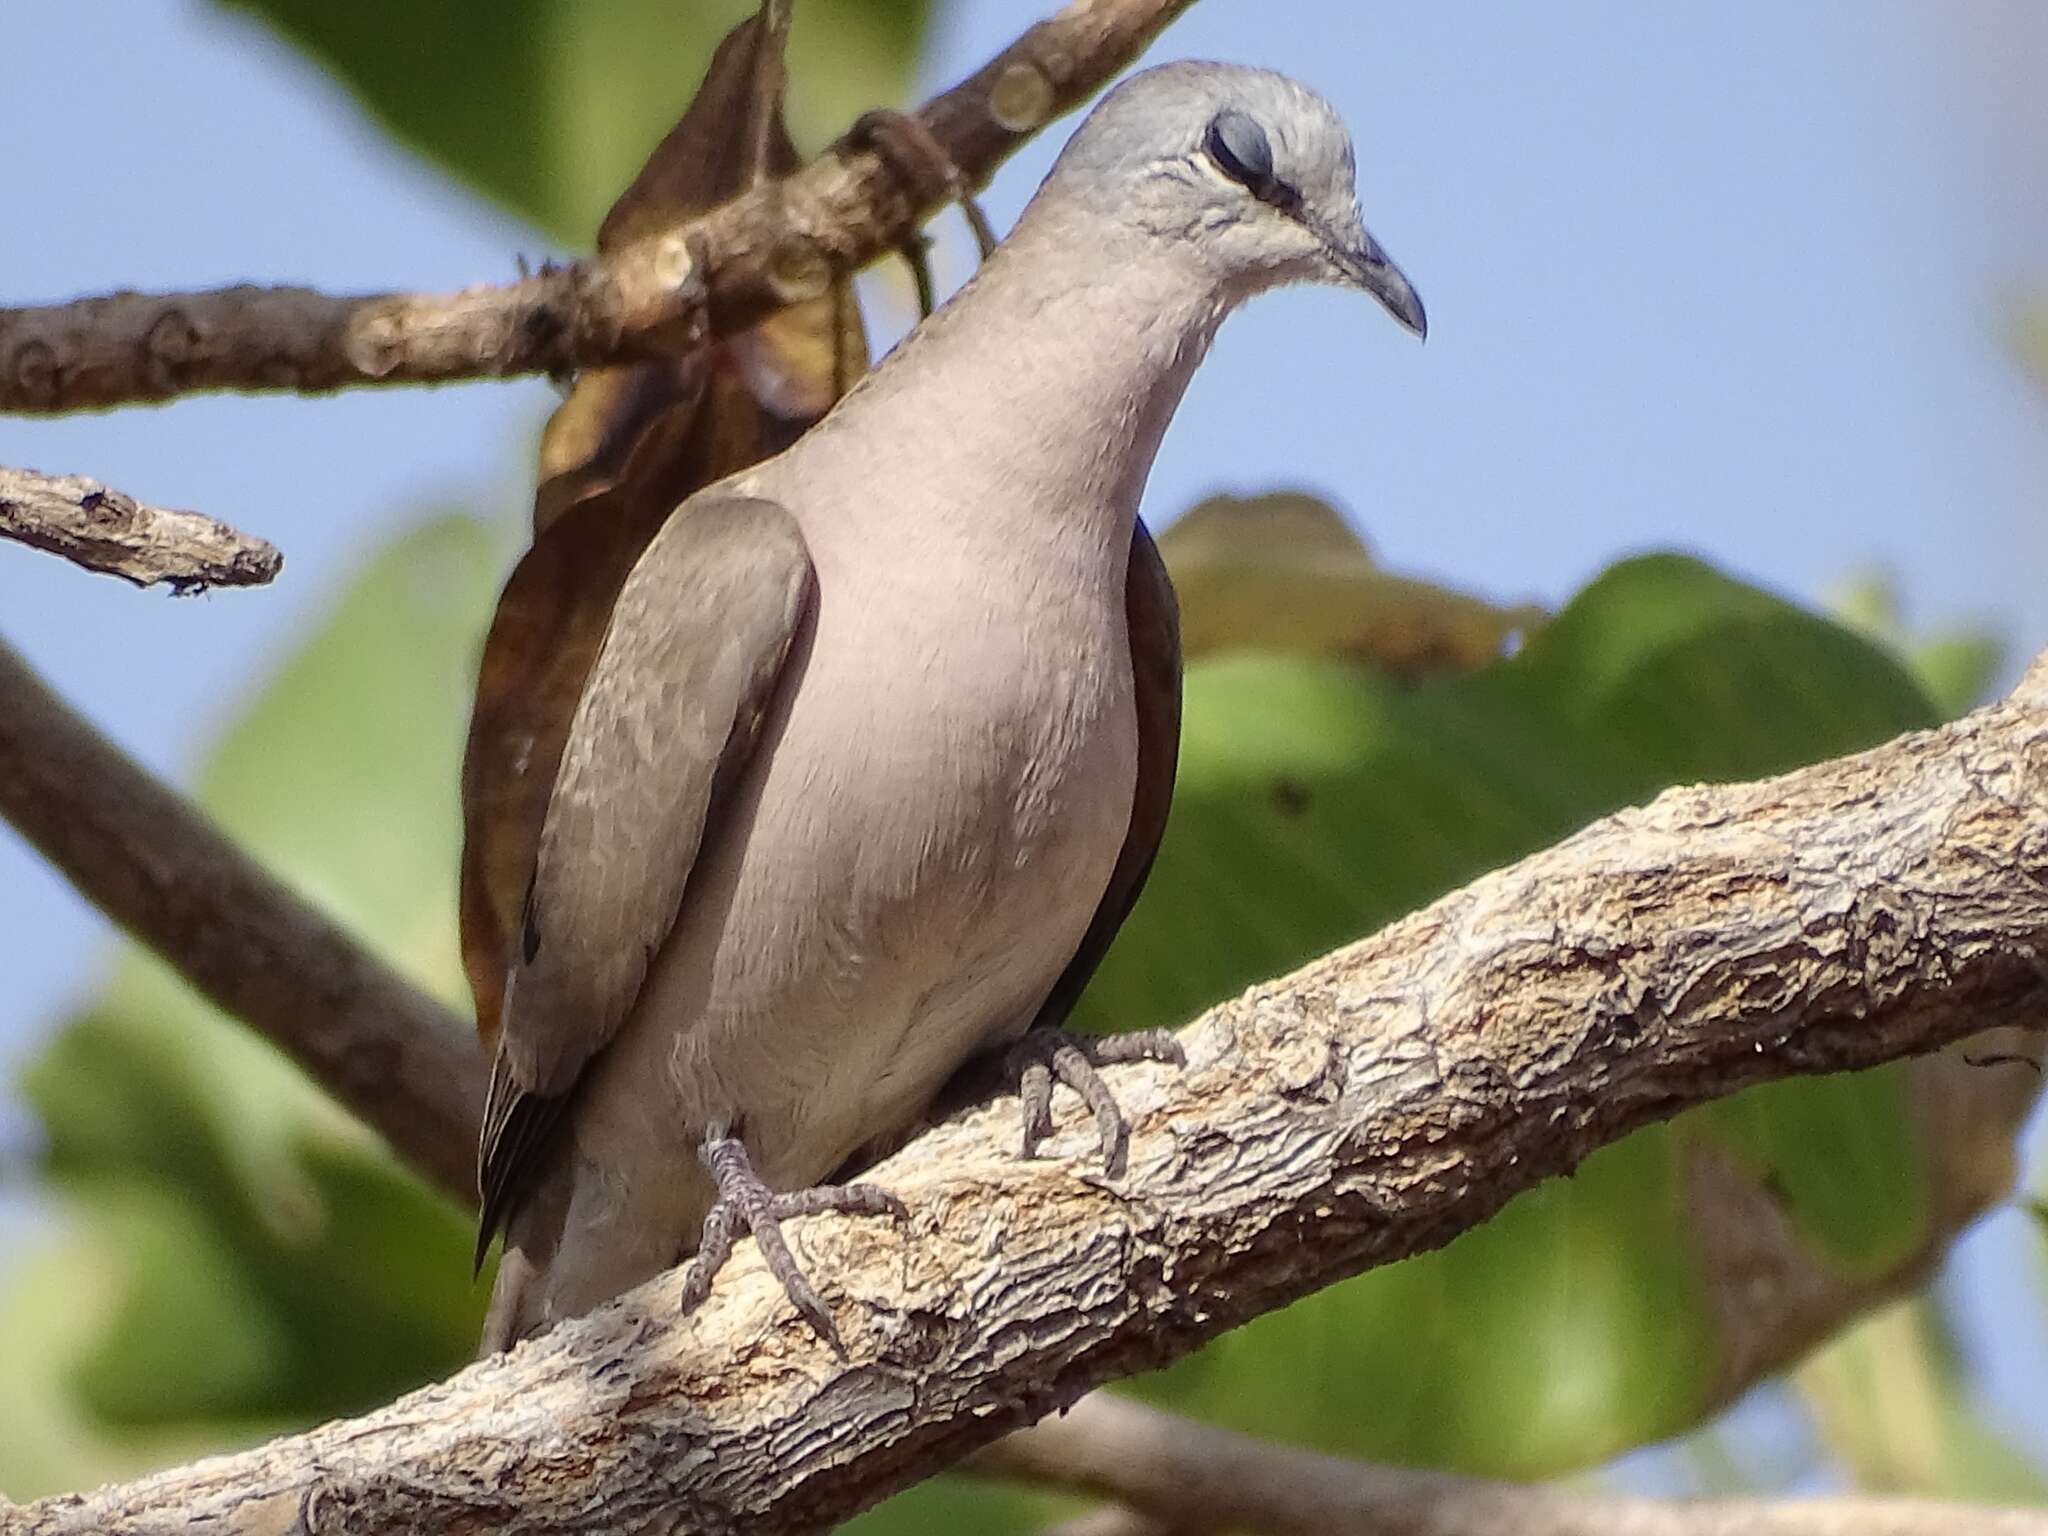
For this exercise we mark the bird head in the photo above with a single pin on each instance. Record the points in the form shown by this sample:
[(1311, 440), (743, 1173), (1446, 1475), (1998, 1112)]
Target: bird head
[(1241, 169)]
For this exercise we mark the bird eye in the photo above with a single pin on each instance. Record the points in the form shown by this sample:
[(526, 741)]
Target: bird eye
[(1242, 152)]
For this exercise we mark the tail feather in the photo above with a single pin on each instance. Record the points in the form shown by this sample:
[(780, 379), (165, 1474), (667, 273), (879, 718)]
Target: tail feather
[(515, 1304), (519, 1295)]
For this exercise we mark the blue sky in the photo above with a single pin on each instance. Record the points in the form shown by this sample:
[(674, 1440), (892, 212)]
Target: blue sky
[(1722, 278)]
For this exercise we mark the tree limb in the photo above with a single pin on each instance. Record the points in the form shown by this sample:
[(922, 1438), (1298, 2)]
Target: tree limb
[(111, 532), (153, 863), (1370, 1106), (713, 275), (1174, 1475)]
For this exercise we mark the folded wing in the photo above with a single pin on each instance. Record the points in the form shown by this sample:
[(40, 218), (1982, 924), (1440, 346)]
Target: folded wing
[(668, 719)]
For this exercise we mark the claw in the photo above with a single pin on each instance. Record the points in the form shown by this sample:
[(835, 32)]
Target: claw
[(1034, 1087), (745, 1203), (1045, 1054), (917, 255), (918, 160)]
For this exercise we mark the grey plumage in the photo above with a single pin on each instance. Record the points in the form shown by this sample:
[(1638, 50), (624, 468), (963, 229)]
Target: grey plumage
[(879, 745)]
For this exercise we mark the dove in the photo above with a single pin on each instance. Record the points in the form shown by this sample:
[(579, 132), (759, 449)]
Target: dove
[(879, 744)]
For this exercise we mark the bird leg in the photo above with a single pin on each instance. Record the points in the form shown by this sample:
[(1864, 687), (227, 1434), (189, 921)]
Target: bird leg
[(744, 1203), (916, 158), (1044, 1054)]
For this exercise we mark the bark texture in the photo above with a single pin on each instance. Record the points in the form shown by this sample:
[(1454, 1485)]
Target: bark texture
[(1370, 1106), (658, 296), (111, 532)]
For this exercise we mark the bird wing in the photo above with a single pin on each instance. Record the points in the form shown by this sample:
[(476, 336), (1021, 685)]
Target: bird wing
[(666, 722), (1153, 616)]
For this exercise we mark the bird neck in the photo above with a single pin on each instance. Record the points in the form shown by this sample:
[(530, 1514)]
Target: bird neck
[(1043, 388)]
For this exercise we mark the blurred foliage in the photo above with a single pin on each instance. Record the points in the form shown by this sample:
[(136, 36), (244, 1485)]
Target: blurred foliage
[(2030, 335), (547, 107), (233, 1255), (254, 1259), (1319, 800), (1890, 1400), (245, 1255), (1956, 667)]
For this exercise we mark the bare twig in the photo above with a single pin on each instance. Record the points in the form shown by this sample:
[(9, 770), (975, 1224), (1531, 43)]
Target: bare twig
[(156, 865), (121, 348), (106, 530), (1371, 1106), (1173, 1475), (717, 274)]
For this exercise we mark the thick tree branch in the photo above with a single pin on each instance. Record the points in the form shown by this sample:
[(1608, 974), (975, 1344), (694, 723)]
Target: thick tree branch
[(153, 863), (105, 530), (717, 274), (1173, 1475), (1371, 1106)]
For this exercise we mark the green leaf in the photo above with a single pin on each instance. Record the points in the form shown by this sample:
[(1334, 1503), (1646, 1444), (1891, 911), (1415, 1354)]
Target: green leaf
[(258, 1258), (548, 107), (1955, 667), (1318, 800), (953, 1502)]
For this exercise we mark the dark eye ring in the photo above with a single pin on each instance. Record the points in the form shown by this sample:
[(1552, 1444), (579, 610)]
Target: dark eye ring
[(1242, 152)]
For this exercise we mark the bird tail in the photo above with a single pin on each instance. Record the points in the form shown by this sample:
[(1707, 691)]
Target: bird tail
[(515, 1310), (519, 1295)]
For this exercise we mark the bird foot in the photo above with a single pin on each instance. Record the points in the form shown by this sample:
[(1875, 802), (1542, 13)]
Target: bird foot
[(917, 159), (1045, 1054), (745, 1204)]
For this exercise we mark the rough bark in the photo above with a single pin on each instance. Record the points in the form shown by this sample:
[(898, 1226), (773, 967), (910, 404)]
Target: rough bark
[(1170, 1475), (1370, 1106), (714, 275), (111, 532)]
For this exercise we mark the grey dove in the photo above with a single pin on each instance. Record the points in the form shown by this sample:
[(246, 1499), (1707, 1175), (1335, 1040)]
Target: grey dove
[(878, 748)]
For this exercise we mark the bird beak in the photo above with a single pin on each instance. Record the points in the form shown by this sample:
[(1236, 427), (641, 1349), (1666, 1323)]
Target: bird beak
[(1360, 261)]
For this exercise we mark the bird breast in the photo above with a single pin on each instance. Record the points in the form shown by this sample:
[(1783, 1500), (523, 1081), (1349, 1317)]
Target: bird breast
[(928, 828)]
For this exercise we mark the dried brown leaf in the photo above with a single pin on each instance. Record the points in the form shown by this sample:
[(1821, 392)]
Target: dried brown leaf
[(1285, 572), (623, 449)]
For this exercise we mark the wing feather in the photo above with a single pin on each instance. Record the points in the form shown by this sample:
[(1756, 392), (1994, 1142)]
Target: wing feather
[(669, 716), (1153, 615)]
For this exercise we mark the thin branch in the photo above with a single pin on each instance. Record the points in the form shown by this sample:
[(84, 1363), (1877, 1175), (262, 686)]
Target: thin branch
[(154, 864), (1371, 1106), (122, 348), (111, 532), (717, 274), (1171, 1474)]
